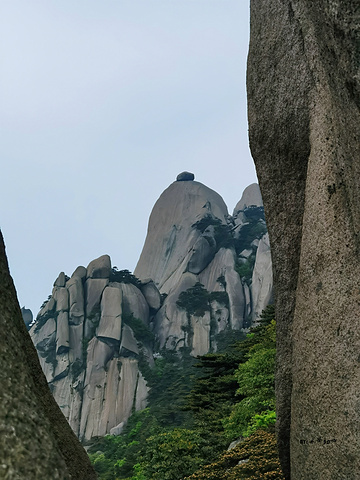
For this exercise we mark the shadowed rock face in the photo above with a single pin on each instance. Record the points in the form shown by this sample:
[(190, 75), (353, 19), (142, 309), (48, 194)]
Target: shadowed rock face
[(35, 439), (304, 127)]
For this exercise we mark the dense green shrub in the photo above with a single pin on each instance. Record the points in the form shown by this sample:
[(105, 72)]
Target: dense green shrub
[(124, 276), (141, 331), (220, 297), (195, 300), (172, 455), (254, 459), (256, 382), (222, 232), (205, 222)]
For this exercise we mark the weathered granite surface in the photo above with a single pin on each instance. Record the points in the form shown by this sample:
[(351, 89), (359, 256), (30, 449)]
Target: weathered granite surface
[(35, 439), (88, 354), (304, 127), (97, 325)]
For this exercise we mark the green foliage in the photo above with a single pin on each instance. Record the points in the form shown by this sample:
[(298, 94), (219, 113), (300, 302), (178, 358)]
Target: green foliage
[(45, 302), (169, 386), (256, 382), (212, 395), (227, 338), (220, 297), (254, 228), (223, 236), (118, 456), (245, 269), (141, 331), (254, 459), (172, 455), (205, 222), (262, 421), (254, 213), (182, 429), (124, 276), (102, 465), (222, 232), (195, 300), (248, 233)]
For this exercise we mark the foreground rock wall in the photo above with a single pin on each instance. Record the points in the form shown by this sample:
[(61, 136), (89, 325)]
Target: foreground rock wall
[(35, 439), (303, 97)]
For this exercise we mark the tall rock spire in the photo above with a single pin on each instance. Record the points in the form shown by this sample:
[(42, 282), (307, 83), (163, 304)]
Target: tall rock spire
[(304, 124)]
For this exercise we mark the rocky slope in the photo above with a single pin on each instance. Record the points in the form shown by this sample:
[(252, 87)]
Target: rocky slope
[(35, 439), (304, 126), (201, 273)]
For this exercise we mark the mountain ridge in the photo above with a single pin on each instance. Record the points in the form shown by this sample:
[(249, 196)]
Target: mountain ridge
[(99, 326)]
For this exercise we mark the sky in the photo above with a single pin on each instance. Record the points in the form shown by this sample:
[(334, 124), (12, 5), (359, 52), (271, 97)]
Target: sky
[(102, 105)]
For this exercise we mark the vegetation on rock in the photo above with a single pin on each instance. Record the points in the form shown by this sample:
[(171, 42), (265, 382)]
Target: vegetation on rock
[(124, 276), (196, 300), (193, 413), (254, 459)]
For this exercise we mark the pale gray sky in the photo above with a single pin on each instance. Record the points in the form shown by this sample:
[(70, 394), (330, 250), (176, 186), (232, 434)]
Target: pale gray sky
[(103, 103)]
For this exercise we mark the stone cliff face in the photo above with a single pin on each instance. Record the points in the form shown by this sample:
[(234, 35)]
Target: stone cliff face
[(304, 126), (35, 439), (192, 239), (87, 349), (202, 273)]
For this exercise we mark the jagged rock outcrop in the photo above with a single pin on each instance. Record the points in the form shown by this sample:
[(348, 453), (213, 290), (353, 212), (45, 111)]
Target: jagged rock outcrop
[(88, 352), (191, 238), (304, 126), (196, 272), (35, 439)]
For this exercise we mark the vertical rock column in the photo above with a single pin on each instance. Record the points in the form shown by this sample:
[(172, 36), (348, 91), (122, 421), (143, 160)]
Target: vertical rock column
[(303, 97)]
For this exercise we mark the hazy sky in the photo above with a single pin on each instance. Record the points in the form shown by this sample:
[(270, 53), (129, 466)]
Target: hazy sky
[(103, 103)]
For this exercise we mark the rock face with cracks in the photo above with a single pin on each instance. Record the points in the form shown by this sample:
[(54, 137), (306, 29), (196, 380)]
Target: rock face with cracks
[(88, 352), (304, 126), (35, 439), (100, 325)]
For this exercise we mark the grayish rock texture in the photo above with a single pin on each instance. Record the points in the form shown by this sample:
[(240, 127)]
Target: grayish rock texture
[(303, 101), (35, 439), (151, 294), (251, 197), (99, 268), (88, 354), (170, 236), (134, 302), (185, 176), (262, 278), (111, 313), (92, 331)]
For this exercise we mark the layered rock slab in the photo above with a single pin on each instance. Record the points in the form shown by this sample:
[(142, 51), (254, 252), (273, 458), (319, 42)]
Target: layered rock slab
[(303, 98)]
